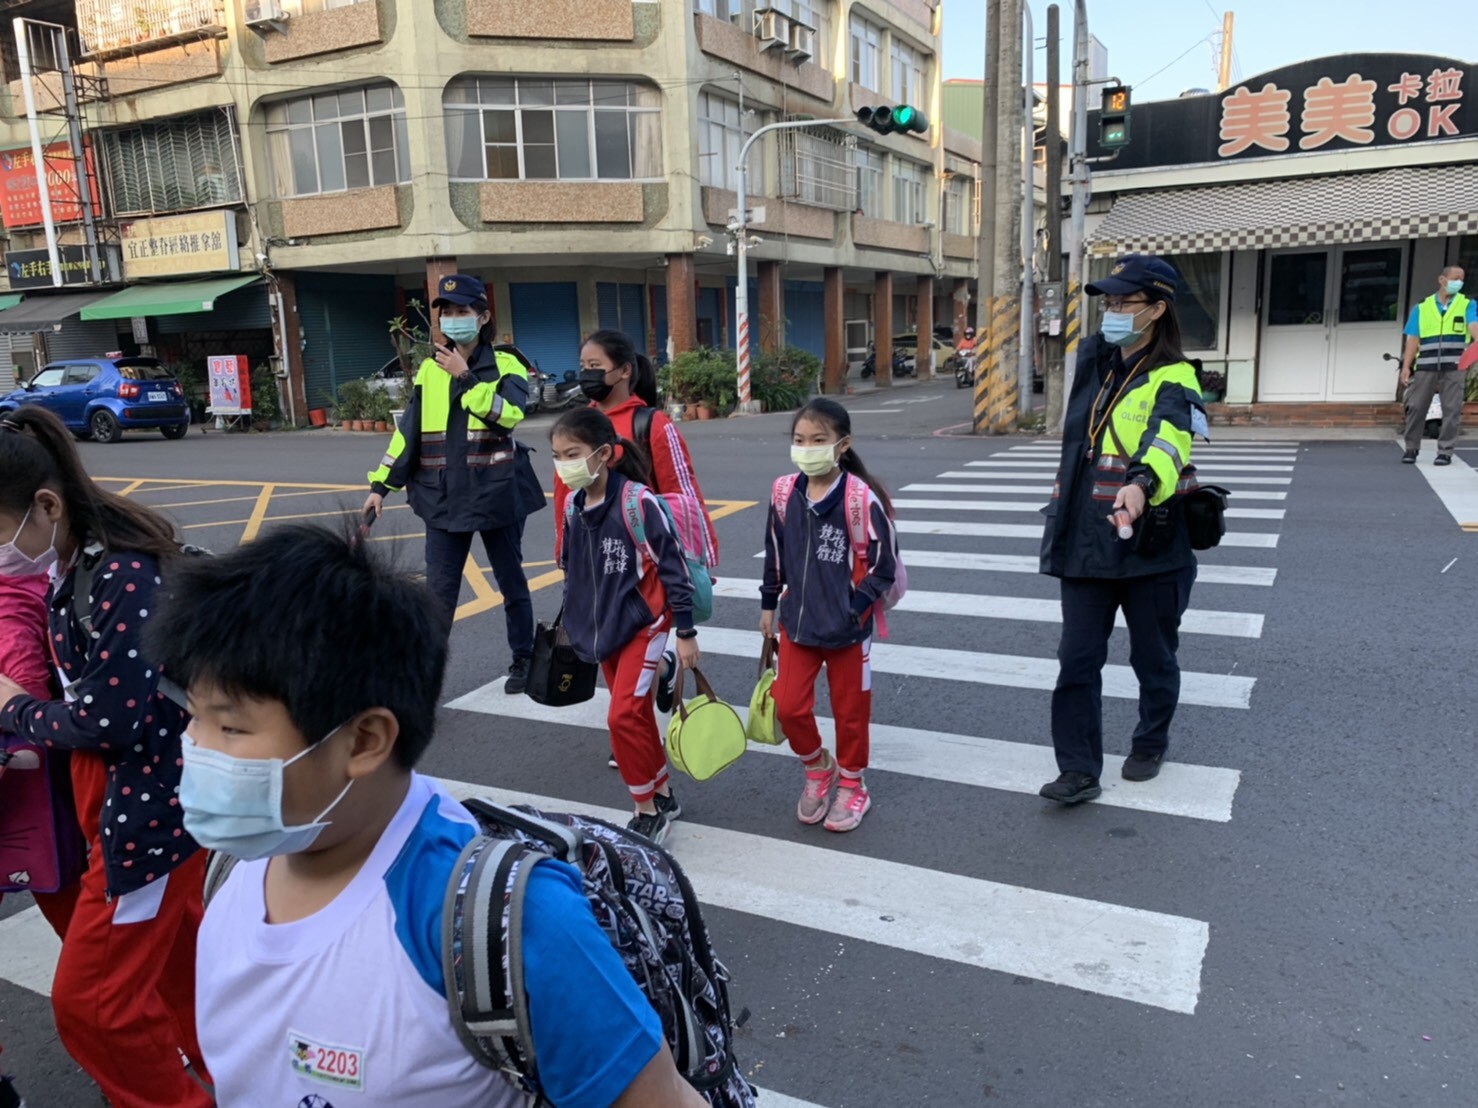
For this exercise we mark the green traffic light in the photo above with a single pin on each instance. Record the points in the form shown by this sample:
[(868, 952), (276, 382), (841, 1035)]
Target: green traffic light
[(903, 115)]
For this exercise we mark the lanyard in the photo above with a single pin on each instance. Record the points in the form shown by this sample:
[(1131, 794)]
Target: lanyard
[(1096, 430)]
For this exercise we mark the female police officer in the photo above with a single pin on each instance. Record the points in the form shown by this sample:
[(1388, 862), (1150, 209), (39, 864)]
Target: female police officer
[(464, 474), (1126, 441)]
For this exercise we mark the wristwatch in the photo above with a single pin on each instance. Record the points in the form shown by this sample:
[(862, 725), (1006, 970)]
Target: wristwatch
[(1146, 482), (688, 633)]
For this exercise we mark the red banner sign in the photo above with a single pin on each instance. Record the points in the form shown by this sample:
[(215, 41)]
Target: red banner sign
[(20, 199)]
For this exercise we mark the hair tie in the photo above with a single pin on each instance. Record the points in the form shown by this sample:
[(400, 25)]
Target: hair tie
[(617, 450), (8, 424)]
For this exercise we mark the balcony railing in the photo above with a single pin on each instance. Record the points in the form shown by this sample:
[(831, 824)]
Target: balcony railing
[(122, 26)]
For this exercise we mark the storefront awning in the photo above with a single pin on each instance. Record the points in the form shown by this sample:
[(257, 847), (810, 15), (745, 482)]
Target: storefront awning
[(178, 298), (42, 313), (9, 300), (1409, 202)]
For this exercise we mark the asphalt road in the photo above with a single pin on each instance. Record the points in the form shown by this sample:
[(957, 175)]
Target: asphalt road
[(1291, 926)]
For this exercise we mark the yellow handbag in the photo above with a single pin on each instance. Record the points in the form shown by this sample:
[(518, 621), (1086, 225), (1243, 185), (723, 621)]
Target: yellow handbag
[(705, 736), (761, 727)]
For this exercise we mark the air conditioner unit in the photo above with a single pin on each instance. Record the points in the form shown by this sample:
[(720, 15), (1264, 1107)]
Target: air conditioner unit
[(802, 42), (772, 28), (265, 15)]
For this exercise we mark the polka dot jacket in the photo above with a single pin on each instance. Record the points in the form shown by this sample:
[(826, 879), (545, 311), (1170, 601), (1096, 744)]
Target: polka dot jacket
[(113, 708)]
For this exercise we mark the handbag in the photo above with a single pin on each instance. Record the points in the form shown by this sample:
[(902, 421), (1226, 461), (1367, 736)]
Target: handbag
[(760, 727), (558, 677), (1205, 510), (706, 736)]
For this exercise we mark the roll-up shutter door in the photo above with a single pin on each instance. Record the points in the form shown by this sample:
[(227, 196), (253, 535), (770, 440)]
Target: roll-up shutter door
[(346, 322), (77, 339), (546, 324), (243, 310), (805, 316), (7, 365)]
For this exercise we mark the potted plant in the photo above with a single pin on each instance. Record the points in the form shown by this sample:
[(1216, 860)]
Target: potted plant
[(266, 409), (782, 381), (704, 380), (412, 340), (1213, 384), (354, 402), (380, 407)]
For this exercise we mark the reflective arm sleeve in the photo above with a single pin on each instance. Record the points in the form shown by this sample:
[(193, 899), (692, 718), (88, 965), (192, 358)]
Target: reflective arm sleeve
[(501, 402), (405, 447), (1165, 449)]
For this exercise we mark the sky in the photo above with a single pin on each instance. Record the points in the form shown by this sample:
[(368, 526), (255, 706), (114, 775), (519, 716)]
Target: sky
[(1145, 37)]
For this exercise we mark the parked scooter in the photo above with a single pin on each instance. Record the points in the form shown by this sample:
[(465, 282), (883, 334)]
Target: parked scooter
[(562, 393), (901, 367), (1432, 427)]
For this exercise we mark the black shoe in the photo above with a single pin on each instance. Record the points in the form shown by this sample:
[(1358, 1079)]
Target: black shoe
[(1141, 767), (611, 761), (653, 825), (668, 805), (1409, 458), (664, 683), (518, 677), (9, 1098), (1442, 460), (1071, 788)]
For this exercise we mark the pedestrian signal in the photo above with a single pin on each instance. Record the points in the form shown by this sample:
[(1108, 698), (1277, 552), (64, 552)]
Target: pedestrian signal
[(1113, 117), (901, 119)]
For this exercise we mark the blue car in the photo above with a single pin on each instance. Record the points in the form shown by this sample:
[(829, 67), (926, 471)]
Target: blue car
[(100, 398)]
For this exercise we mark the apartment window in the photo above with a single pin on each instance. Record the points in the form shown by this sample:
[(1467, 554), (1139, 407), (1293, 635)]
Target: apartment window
[(721, 136), (172, 165), (332, 141), (909, 180), (870, 183), (720, 9), (909, 66), (539, 129), (866, 53), (815, 14), (817, 169), (958, 216)]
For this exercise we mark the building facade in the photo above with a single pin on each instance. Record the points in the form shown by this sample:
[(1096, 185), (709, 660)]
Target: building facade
[(1307, 209), (330, 159)]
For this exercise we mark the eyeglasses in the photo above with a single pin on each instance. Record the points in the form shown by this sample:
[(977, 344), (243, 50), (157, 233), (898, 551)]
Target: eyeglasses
[(1118, 303)]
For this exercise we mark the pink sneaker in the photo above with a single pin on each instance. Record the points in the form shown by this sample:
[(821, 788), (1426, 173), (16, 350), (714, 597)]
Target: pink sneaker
[(848, 808), (817, 794)]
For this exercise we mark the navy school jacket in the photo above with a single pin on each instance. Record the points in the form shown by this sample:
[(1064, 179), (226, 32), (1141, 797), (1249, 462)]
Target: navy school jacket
[(613, 591), (809, 568)]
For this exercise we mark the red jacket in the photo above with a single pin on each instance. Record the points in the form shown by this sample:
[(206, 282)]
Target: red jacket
[(672, 470), (23, 656)]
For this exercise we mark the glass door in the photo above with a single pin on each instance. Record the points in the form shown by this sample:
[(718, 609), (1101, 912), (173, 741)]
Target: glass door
[(1295, 340), (1367, 322)]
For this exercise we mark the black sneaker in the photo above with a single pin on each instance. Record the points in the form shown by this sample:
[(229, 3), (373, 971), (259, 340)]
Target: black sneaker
[(1141, 767), (651, 825), (664, 683), (9, 1098), (1071, 788), (611, 761), (1409, 458), (668, 805), (1442, 460), (518, 677)]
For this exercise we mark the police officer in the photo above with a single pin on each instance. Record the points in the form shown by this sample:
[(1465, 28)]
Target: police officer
[(455, 455), (1126, 442)]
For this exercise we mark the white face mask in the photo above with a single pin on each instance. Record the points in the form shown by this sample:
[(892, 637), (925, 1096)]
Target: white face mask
[(15, 562), (234, 805), (576, 473), (814, 461)]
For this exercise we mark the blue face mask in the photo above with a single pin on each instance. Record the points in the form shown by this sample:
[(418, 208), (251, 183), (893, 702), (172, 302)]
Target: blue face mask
[(1454, 287), (1118, 328), (460, 329), (234, 805)]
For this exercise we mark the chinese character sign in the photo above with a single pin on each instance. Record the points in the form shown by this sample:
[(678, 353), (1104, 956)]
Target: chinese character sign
[(20, 196), (230, 385), (200, 242)]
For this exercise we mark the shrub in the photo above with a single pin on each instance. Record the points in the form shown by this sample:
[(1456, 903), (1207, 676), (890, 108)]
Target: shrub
[(783, 381), (702, 376), (265, 405), (354, 399)]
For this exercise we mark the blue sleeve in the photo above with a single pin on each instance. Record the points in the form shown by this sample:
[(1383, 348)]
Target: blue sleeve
[(1472, 312), (593, 1029), (1413, 328)]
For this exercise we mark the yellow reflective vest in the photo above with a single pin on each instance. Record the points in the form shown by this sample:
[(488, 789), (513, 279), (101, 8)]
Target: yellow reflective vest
[(1444, 335)]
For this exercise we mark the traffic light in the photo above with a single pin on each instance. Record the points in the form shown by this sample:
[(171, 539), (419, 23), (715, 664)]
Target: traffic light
[(1113, 117), (902, 119)]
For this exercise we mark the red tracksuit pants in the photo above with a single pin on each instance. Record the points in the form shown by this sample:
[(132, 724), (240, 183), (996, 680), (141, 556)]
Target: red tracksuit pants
[(849, 676), (631, 675), (124, 992)]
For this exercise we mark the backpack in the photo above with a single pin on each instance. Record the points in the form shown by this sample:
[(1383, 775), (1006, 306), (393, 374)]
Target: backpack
[(856, 493), (690, 512), (41, 847), (641, 899)]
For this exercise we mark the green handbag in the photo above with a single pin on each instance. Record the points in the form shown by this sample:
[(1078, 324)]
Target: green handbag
[(761, 727), (705, 736)]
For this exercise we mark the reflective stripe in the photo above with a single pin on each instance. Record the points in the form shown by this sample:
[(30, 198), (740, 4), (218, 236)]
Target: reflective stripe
[(1161, 444), (1106, 492), (433, 463), (477, 461), (388, 460), (1113, 463)]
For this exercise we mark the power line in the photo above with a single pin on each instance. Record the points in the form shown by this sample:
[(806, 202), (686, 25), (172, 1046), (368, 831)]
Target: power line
[(1193, 46)]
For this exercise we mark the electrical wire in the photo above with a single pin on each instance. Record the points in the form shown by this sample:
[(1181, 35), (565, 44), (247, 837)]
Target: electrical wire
[(1181, 57)]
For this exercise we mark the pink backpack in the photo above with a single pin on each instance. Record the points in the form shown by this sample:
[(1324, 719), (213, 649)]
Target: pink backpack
[(856, 493), (41, 847)]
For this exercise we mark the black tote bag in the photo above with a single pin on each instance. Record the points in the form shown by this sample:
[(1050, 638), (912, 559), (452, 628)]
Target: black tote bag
[(557, 677)]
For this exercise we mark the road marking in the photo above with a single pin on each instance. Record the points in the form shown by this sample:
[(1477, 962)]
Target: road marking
[(1456, 485), (227, 500), (1229, 479), (1210, 690), (1256, 576), (347, 510), (1196, 621), (182, 483), (1256, 540), (258, 514), (1025, 463), (1197, 454), (32, 948), (1196, 792), (1147, 957), (1238, 444), (1046, 490), (130, 488), (1020, 506)]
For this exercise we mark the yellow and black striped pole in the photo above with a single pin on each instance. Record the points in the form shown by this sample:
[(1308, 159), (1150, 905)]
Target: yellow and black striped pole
[(1072, 328), (996, 384)]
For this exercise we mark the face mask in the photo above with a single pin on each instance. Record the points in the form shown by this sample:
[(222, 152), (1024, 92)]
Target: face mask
[(576, 474), (14, 562), (814, 461), (1454, 287), (593, 384), (460, 329), (234, 805), (1118, 328)]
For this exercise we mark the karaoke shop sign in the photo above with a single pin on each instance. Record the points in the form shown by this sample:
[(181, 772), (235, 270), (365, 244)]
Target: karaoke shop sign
[(1348, 102)]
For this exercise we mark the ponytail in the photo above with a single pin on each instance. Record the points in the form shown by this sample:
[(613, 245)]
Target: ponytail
[(36, 452), (833, 415), (644, 381), (593, 428)]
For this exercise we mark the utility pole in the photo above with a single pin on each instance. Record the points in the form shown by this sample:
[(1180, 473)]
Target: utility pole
[(1224, 70), (1028, 218), (1052, 371), (985, 256), (1073, 300)]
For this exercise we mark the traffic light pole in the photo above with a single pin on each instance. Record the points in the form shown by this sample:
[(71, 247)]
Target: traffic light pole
[(1074, 298)]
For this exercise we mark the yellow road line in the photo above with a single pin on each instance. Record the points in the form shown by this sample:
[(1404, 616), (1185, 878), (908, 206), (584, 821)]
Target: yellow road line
[(718, 509), (229, 499), (486, 598), (279, 519), (130, 488), (258, 514), (186, 484), (174, 486)]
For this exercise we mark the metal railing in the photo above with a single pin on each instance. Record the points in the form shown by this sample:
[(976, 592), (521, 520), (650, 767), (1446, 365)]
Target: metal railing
[(104, 25)]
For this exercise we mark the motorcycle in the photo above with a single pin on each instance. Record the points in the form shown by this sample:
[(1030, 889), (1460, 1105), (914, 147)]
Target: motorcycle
[(964, 369), (900, 363), (557, 395)]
